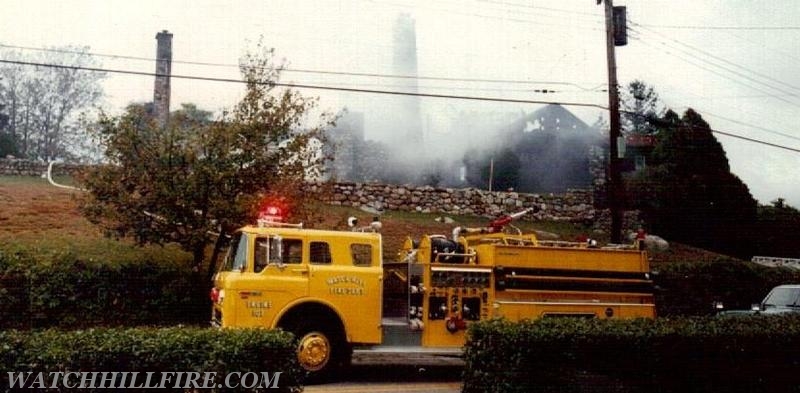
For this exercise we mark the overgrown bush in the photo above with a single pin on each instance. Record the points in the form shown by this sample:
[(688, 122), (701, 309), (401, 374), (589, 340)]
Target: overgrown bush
[(68, 291), (690, 288), (754, 353), (152, 350)]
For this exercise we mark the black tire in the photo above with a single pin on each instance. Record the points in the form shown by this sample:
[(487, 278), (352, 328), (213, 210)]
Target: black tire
[(321, 351)]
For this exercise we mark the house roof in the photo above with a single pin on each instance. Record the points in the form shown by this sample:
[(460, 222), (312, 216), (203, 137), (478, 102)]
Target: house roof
[(551, 117)]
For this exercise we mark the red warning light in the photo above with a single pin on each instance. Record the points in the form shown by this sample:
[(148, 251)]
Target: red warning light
[(271, 213), (273, 210)]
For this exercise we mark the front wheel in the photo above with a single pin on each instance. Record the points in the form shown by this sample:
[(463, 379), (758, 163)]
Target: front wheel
[(314, 351), (320, 352)]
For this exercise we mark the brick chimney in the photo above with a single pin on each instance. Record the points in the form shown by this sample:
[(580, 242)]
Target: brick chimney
[(161, 90)]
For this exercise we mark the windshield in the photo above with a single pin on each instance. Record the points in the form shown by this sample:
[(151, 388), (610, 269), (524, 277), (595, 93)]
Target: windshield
[(237, 254), (782, 297)]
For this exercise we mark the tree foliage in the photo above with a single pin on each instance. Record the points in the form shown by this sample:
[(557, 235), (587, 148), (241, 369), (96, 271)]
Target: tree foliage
[(689, 194), (196, 176), (501, 166), (8, 146), (44, 104), (639, 103), (778, 224)]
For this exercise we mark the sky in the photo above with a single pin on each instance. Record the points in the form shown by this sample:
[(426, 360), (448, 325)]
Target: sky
[(733, 61)]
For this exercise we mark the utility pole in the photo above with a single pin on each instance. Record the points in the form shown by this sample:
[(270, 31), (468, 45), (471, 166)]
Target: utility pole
[(491, 173), (614, 186)]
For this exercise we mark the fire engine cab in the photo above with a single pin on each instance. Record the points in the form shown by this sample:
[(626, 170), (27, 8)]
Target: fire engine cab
[(335, 293)]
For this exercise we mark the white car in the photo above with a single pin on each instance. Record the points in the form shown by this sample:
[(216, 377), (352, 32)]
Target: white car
[(780, 300)]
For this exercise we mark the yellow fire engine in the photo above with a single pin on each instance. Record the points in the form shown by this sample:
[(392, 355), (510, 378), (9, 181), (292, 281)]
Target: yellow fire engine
[(334, 292)]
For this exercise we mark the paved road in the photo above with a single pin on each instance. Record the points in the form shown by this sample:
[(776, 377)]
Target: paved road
[(394, 379), (375, 387), (402, 374), (365, 377)]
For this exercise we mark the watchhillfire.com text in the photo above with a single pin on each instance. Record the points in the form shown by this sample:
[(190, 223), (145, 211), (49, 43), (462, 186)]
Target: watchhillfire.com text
[(142, 380)]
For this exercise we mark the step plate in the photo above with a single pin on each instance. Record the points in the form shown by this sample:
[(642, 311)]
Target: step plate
[(408, 355)]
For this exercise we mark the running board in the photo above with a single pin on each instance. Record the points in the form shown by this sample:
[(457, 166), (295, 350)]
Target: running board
[(389, 349), (408, 355)]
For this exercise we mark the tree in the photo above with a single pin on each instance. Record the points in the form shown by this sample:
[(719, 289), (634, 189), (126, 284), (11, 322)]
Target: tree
[(778, 225), (191, 115), (8, 146), (44, 104), (689, 194), (639, 103), (193, 177), (501, 165), (506, 170)]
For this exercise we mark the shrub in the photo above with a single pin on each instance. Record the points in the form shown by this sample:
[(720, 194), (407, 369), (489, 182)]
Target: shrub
[(67, 291), (663, 355), (690, 288), (151, 350)]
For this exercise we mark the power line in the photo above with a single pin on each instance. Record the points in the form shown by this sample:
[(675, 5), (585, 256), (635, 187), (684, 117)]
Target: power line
[(113, 56), (735, 80), (518, 9), (725, 133), (755, 140), (439, 78), (457, 12), (766, 95), (707, 113), (741, 97), (691, 61), (702, 67), (762, 45), (767, 77), (302, 86), (597, 17), (443, 87), (732, 71), (320, 72), (696, 27), (752, 125), (737, 109)]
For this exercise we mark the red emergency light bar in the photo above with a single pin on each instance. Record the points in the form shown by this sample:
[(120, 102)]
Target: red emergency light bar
[(271, 213)]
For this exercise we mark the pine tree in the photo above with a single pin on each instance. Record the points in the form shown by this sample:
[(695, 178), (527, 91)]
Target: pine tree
[(694, 198), (639, 103)]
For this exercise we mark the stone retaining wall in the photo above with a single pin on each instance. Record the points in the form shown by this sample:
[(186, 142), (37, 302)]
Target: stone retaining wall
[(19, 167), (573, 205)]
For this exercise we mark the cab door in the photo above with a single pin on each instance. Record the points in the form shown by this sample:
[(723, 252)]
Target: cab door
[(280, 275), (266, 273), (348, 275)]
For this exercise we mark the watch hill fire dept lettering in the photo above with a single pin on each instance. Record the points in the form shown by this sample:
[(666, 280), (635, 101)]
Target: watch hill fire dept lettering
[(335, 288)]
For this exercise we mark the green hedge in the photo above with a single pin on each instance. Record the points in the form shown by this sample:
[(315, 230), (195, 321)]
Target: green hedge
[(752, 354), (68, 291), (151, 350), (690, 288)]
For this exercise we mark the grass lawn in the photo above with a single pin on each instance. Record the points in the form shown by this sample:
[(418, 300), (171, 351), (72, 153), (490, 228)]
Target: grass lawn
[(45, 220)]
